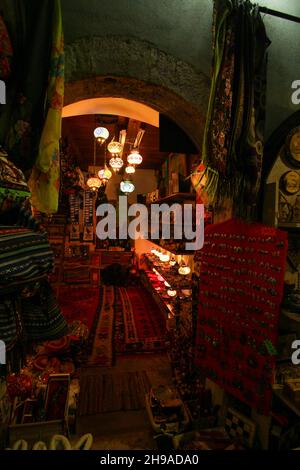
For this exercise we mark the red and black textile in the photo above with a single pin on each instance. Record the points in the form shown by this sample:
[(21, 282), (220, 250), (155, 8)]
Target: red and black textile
[(241, 287), (234, 132)]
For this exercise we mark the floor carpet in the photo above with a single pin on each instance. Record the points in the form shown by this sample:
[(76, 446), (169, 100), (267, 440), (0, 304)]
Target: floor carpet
[(79, 303), (102, 347), (109, 391), (140, 326)]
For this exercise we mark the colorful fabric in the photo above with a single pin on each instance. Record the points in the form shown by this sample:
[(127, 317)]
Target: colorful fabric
[(6, 51), (29, 25), (102, 353), (234, 132), (42, 317), (24, 254), (140, 325), (9, 327), (45, 177), (79, 304), (241, 288)]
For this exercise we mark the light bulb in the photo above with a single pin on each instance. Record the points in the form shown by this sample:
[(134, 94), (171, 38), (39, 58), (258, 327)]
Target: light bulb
[(172, 292), (164, 258), (184, 269)]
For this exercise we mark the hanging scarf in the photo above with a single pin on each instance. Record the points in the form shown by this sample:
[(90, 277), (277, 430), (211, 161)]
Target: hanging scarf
[(232, 144), (22, 117), (45, 177), (6, 51)]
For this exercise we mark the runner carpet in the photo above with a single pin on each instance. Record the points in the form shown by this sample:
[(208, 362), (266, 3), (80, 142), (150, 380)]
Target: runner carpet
[(115, 391), (102, 332), (140, 325)]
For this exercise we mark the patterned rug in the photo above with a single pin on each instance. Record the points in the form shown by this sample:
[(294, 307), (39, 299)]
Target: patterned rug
[(102, 353), (139, 324), (79, 303), (102, 393)]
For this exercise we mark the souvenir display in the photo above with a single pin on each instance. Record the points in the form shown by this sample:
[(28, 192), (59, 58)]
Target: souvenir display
[(241, 285), (74, 217), (88, 229)]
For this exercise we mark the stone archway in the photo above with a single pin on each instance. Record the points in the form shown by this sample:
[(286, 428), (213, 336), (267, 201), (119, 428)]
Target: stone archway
[(136, 70)]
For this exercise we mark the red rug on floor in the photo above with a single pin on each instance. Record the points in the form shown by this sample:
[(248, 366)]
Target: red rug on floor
[(139, 324), (79, 303)]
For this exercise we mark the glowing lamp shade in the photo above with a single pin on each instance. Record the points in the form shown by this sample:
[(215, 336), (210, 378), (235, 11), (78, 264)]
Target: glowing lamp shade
[(171, 293), (115, 148), (167, 284), (93, 183), (116, 163), (134, 158), (130, 169), (172, 261), (184, 269), (101, 134), (105, 174), (154, 251), (164, 258), (127, 186)]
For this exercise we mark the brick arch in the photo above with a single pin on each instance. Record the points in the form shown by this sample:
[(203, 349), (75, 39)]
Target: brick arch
[(136, 70)]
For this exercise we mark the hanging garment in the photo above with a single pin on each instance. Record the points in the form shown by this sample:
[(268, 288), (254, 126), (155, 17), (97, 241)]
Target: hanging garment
[(29, 25), (42, 317), (45, 177), (24, 255), (233, 137), (6, 51)]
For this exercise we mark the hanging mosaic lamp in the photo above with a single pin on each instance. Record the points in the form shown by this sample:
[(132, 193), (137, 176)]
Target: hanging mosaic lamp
[(134, 158), (105, 174), (130, 169), (116, 163), (115, 148), (93, 183), (101, 134), (127, 186)]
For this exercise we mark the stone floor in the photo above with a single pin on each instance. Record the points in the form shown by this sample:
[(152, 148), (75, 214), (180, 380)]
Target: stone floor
[(128, 430)]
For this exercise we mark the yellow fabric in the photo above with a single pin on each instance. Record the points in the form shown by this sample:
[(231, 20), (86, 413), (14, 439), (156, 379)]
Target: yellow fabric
[(45, 176)]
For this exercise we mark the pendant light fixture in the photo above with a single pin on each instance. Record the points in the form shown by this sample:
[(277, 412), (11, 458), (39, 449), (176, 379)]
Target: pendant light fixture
[(127, 186), (93, 182), (115, 148), (105, 174), (101, 134), (134, 158), (130, 169)]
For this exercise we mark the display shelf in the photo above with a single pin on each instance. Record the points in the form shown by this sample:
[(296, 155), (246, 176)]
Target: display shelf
[(168, 274), (287, 401)]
